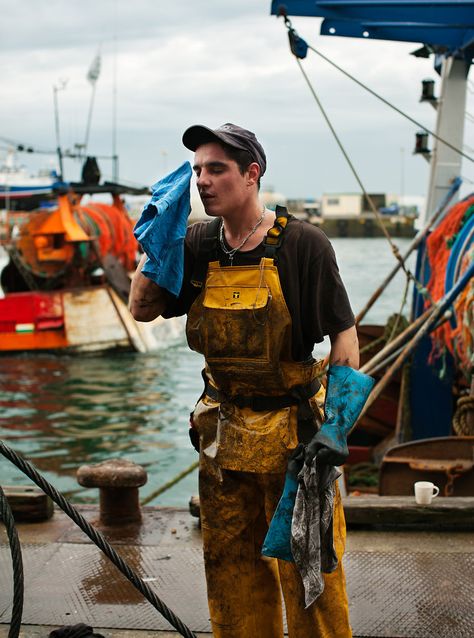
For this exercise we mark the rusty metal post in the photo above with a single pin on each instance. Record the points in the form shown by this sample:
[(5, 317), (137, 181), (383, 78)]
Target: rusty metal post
[(118, 481)]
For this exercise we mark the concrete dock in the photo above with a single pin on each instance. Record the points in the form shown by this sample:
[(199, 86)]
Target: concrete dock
[(401, 584)]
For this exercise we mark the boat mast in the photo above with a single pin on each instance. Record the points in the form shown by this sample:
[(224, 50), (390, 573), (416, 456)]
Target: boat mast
[(445, 162), (92, 76), (115, 166), (56, 88)]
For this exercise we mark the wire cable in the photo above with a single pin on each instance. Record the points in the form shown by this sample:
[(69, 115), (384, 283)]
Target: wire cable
[(17, 563), (98, 538)]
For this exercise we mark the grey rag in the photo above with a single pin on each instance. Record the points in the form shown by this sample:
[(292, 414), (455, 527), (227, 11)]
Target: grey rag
[(312, 541)]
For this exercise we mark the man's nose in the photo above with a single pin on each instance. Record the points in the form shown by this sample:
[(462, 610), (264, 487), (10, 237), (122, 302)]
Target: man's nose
[(203, 180)]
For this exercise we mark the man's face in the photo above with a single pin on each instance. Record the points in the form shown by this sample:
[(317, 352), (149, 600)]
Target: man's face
[(220, 183)]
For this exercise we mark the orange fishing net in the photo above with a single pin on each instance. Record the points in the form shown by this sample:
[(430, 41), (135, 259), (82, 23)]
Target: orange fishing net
[(113, 230), (439, 245)]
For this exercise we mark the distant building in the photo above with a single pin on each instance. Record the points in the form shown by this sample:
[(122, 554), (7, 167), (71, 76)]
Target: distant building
[(351, 215), (355, 205), (349, 205)]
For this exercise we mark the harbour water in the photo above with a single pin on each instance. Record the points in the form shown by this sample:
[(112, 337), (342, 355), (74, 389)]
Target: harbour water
[(62, 411)]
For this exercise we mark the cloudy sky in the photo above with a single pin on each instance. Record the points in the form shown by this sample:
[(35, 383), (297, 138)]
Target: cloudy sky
[(213, 61)]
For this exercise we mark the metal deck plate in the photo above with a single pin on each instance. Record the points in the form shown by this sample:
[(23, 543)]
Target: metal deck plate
[(79, 584), (392, 595), (419, 595)]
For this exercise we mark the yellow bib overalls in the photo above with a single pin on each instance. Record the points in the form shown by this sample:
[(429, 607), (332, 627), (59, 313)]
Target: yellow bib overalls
[(241, 324)]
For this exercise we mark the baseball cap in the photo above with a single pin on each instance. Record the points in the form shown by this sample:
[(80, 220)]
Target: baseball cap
[(230, 134)]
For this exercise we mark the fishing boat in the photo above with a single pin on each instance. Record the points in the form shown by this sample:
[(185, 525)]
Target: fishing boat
[(418, 424), (67, 279), (18, 187)]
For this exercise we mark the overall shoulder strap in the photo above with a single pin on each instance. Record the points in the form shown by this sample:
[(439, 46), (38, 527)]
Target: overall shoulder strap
[(274, 237), (207, 251)]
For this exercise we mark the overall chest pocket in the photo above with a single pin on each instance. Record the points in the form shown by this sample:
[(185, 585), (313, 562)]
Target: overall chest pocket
[(236, 323)]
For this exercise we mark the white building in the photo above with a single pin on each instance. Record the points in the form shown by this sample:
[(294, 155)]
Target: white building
[(347, 205)]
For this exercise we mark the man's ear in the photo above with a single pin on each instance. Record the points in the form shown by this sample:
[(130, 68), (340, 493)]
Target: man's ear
[(253, 174)]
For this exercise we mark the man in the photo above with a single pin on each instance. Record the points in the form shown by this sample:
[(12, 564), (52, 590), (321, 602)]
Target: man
[(260, 289)]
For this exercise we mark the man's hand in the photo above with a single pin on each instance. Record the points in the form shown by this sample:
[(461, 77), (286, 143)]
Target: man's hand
[(325, 454)]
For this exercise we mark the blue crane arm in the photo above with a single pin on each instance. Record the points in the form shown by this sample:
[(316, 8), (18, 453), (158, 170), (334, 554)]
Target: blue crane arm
[(444, 26)]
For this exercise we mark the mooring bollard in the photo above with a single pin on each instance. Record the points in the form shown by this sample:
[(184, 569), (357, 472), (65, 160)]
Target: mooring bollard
[(118, 481)]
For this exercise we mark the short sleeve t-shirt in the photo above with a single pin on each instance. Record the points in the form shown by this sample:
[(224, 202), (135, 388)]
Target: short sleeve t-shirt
[(312, 287)]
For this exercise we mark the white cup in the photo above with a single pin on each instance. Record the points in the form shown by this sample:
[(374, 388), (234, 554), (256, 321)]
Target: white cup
[(425, 492)]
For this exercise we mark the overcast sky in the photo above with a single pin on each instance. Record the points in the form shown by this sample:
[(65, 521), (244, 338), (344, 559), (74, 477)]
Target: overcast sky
[(180, 63)]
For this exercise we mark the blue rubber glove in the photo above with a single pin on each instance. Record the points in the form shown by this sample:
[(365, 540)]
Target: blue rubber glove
[(162, 226), (277, 543), (346, 393)]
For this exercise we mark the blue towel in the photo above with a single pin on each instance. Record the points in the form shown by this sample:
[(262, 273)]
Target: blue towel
[(277, 542), (162, 227)]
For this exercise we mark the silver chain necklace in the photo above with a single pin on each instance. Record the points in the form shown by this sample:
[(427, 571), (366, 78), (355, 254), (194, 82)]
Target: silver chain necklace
[(231, 253)]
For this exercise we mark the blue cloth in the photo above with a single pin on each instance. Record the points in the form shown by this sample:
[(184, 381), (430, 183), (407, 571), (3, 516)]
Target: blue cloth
[(162, 227), (277, 542)]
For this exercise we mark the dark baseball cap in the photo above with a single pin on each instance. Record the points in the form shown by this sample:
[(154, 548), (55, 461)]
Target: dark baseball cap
[(230, 134)]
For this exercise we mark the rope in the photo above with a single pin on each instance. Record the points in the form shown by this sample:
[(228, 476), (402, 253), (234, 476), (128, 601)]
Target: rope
[(298, 46), (98, 539), (461, 423), (434, 219), (378, 216), (15, 549), (392, 106), (400, 317), (169, 484)]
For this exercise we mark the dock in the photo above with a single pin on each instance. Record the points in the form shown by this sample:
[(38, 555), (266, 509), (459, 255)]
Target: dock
[(402, 583)]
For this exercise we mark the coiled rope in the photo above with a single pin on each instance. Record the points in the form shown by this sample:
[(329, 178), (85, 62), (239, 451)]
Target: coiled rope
[(97, 538), (462, 424), (18, 581)]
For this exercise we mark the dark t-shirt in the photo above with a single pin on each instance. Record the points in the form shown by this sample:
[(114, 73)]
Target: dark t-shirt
[(309, 276)]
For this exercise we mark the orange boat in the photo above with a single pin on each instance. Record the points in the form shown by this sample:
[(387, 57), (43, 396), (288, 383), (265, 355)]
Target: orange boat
[(67, 280)]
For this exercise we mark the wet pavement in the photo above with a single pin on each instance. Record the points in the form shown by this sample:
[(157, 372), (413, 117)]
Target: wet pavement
[(401, 584)]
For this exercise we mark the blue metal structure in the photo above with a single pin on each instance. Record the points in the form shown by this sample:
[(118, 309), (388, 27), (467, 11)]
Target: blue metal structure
[(445, 27)]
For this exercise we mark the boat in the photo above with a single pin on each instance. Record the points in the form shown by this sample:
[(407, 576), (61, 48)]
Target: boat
[(418, 423), (68, 275), (18, 187)]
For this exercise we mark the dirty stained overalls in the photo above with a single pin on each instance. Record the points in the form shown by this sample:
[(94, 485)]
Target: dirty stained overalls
[(241, 324)]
